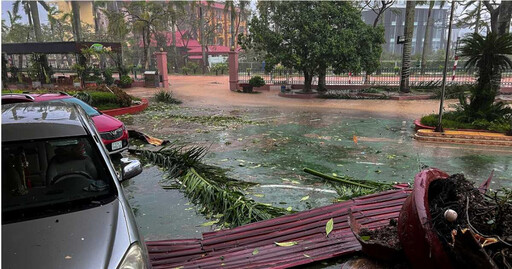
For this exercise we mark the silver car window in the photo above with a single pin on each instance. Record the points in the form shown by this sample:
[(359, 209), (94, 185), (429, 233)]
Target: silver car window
[(47, 177)]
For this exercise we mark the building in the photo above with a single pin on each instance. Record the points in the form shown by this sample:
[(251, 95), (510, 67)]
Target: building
[(218, 19), (393, 21), (90, 14)]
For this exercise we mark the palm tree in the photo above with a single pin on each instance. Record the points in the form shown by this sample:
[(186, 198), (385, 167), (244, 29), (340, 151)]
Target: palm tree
[(426, 40), (489, 56), (32, 11), (75, 21), (406, 54), (230, 7), (176, 11)]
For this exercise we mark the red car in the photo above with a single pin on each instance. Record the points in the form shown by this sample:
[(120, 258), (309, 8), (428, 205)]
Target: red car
[(112, 131)]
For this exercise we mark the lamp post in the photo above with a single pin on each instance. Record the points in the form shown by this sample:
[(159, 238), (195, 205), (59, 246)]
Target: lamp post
[(439, 127)]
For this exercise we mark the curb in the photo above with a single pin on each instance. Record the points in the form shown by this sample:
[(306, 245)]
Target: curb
[(127, 110), (299, 95)]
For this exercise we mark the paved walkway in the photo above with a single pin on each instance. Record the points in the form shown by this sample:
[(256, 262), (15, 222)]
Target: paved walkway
[(214, 91)]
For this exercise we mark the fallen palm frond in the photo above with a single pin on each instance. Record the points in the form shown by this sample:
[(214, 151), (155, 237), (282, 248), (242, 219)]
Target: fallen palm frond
[(209, 187), (348, 187), (176, 159), (231, 203)]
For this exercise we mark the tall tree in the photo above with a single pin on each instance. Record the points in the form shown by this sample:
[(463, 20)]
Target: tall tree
[(75, 22), (310, 36), (489, 55), (500, 16), (176, 12), (427, 41), (407, 46), (146, 19), (378, 7)]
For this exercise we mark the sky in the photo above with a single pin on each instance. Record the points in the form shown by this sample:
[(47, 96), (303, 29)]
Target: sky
[(7, 6)]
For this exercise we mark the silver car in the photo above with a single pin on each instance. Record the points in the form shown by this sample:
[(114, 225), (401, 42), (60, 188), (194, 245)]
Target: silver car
[(62, 203)]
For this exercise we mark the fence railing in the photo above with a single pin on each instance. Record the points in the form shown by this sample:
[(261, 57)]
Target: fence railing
[(384, 77)]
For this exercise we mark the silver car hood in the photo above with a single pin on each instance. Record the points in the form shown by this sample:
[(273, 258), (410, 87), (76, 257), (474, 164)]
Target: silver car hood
[(93, 238)]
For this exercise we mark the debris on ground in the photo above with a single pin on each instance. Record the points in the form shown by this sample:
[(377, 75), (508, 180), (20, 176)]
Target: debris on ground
[(481, 230)]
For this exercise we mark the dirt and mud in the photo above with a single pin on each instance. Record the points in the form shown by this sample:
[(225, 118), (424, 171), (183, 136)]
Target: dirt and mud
[(488, 217)]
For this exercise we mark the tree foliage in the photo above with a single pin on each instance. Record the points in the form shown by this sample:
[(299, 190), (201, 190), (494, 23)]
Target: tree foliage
[(312, 36), (489, 56)]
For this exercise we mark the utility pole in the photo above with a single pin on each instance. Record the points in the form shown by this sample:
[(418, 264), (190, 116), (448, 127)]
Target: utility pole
[(439, 127)]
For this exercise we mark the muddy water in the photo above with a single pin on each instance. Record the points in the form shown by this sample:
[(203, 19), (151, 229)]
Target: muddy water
[(274, 147)]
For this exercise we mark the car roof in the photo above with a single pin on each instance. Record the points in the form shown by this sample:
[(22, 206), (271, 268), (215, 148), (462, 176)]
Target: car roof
[(41, 120), (49, 96)]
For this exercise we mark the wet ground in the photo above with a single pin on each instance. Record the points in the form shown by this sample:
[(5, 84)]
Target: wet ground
[(271, 147), (268, 140)]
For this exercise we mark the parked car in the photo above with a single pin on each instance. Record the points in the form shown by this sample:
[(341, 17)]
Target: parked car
[(112, 131), (62, 202)]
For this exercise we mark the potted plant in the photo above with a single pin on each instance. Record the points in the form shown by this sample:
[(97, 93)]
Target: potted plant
[(76, 82), (125, 81), (255, 81)]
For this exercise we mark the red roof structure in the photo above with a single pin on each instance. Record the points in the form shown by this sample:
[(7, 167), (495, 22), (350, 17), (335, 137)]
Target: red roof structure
[(236, 248)]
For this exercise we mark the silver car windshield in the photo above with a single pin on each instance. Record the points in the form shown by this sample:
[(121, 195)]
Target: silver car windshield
[(49, 177)]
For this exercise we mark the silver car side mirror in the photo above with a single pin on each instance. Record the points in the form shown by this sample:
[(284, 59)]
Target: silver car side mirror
[(131, 168)]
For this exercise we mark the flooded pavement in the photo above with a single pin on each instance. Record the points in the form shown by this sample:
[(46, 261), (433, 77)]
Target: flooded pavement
[(271, 146)]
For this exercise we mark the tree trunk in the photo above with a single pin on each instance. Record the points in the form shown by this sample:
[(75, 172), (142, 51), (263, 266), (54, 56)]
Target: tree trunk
[(308, 78), (232, 47), (77, 27), (174, 49), (478, 10), (428, 33), (37, 23), (203, 39), (406, 53), (322, 73), (504, 17)]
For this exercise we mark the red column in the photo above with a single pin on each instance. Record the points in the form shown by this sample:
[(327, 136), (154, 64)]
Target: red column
[(161, 63), (233, 70)]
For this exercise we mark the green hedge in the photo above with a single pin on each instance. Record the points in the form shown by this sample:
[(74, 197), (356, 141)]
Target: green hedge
[(451, 120)]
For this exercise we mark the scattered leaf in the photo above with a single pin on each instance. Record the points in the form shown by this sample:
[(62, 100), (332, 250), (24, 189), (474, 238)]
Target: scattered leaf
[(224, 160), (259, 195), (304, 198), (334, 174), (255, 251), (306, 255), (378, 171), (210, 223), (328, 227), (365, 237), (178, 267), (67, 257), (339, 164), (295, 182), (190, 208), (289, 208), (354, 138), (286, 244)]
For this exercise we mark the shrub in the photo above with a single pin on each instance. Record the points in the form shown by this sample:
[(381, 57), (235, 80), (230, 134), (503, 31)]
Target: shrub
[(185, 70), (107, 77), (166, 97), (455, 120), (219, 67), (192, 66), (453, 91), (125, 80), (257, 81), (100, 98)]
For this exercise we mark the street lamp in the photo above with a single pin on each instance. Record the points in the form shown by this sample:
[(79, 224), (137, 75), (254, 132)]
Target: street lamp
[(439, 127)]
